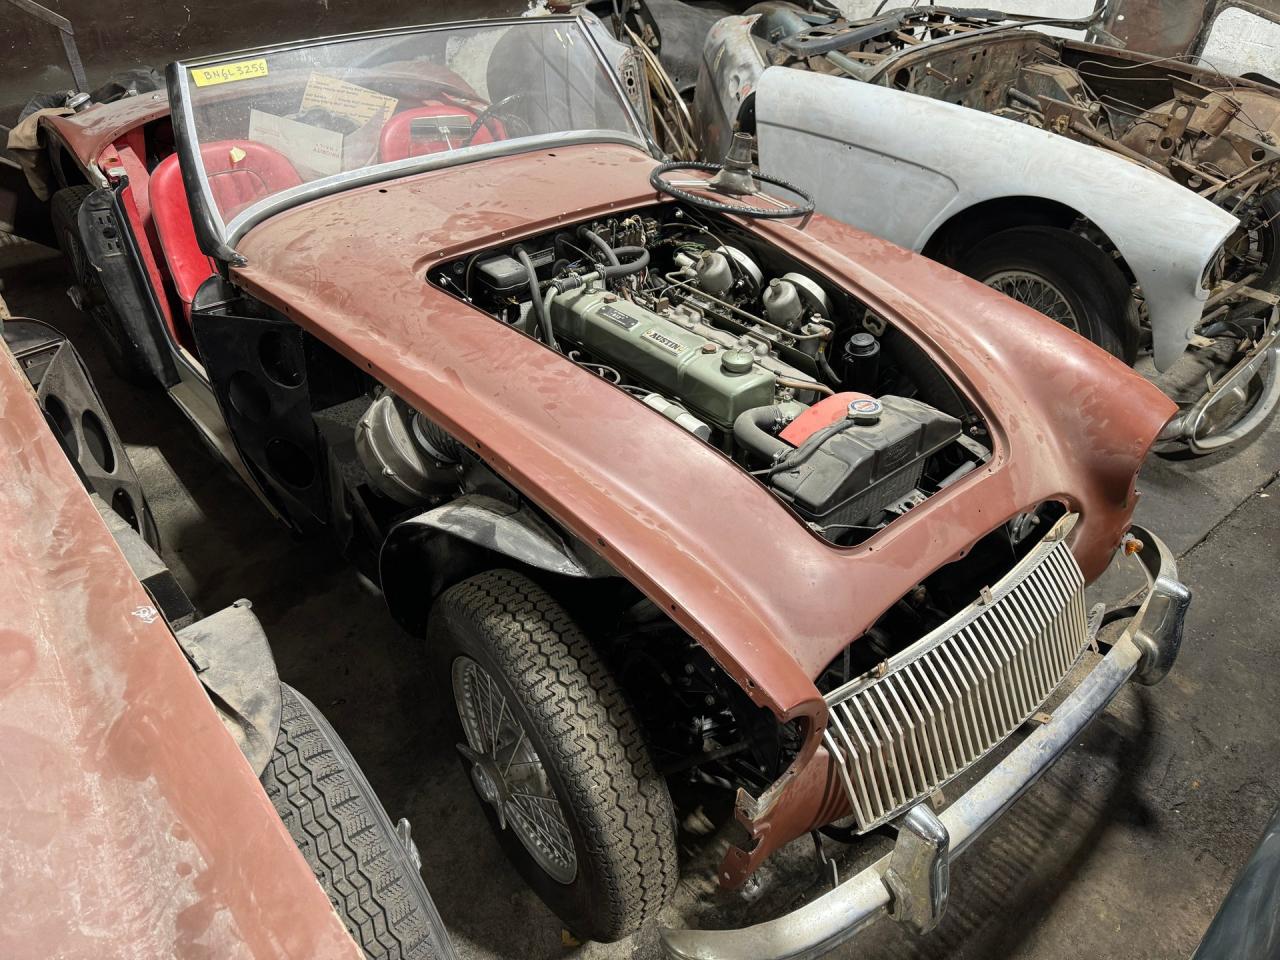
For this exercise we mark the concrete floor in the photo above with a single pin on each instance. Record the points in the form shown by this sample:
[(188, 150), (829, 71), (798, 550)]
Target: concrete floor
[(1126, 848)]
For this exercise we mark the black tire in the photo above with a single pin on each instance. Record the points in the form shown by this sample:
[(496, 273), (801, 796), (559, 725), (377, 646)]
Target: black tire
[(347, 839), (615, 804), (124, 357), (1092, 286)]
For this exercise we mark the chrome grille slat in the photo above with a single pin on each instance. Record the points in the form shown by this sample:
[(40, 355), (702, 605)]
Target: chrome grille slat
[(929, 721), (933, 710)]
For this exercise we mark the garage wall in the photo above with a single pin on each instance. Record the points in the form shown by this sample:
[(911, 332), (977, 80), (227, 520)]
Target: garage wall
[(115, 36)]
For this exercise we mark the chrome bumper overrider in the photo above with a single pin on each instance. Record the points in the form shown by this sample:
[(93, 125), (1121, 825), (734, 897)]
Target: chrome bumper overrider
[(911, 883), (1191, 426)]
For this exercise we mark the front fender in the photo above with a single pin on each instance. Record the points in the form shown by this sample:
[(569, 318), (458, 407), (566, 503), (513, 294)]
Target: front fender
[(426, 554), (900, 166)]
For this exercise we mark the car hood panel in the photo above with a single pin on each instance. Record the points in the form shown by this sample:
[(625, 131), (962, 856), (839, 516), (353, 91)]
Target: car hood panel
[(732, 565), (133, 826)]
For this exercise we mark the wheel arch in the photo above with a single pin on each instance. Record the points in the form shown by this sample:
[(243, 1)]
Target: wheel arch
[(974, 223), (426, 554), (965, 229)]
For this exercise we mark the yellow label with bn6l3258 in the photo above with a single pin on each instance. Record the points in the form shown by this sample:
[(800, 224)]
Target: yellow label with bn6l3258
[(229, 72)]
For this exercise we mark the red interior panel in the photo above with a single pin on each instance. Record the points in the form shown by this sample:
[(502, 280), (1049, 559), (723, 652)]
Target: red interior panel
[(172, 217), (137, 207)]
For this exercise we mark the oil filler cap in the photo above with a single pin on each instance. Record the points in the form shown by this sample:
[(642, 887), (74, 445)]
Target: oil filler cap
[(865, 410), (736, 361)]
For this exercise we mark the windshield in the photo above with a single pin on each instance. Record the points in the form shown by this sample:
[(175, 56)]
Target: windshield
[(260, 125)]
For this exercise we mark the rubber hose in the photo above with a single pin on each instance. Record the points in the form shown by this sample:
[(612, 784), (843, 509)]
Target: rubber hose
[(597, 241), (825, 369), (751, 429), (796, 456), (625, 269), (544, 321)]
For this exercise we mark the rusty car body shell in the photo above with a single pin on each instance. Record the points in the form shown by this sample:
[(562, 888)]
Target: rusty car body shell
[(1172, 28), (710, 545), (134, 826)]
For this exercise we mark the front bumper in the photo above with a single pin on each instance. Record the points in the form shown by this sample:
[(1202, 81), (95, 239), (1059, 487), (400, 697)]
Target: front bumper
[(911, 883), (1195, 425)]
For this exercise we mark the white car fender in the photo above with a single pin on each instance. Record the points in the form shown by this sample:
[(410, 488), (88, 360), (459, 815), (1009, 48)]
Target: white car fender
[(900, 165)]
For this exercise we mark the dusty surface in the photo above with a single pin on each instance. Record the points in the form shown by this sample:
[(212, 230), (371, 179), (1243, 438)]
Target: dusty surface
[(1124, 850), (132, 823)]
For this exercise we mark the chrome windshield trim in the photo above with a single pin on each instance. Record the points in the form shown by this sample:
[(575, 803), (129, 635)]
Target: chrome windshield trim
[(204, 216), (218, 238), (291, 45), (250, 217)]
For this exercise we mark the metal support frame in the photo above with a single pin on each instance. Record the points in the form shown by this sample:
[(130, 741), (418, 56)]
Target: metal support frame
[(66, 33)]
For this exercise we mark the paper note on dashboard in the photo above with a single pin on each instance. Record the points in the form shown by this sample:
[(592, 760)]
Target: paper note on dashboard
[(346, 99), (316, 152)]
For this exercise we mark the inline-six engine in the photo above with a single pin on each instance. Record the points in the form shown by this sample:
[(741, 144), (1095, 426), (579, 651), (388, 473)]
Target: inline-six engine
[(738, 343)]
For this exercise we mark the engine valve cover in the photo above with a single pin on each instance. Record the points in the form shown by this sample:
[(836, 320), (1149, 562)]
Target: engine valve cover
[(677, 362)]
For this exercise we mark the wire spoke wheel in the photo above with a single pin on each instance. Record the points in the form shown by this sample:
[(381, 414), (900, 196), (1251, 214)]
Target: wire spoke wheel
[(1037, 293), (509, 774), (1063, 275), (557, 756)]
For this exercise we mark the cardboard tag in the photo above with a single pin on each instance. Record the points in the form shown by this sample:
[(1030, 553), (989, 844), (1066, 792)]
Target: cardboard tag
[(346, 99), (314, 151)]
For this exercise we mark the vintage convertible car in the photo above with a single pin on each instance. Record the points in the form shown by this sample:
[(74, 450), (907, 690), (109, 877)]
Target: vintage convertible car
[(1118, 193), (682, 487), (160, 781)]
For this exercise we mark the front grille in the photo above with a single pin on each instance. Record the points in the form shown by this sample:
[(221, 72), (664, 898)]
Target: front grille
[(902, 731)]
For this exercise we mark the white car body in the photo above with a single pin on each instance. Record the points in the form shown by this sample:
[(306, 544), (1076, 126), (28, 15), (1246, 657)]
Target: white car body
[(901, 166)]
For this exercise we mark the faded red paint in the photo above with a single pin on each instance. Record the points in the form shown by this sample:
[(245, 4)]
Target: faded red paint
[(87, 134), (130, 823), (772, 602)]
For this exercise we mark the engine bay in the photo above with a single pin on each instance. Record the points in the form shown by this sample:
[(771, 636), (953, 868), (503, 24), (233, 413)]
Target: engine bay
[(744, 347)]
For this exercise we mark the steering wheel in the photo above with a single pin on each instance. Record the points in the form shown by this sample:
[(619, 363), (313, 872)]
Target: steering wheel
[(778, 210), (487, 114)]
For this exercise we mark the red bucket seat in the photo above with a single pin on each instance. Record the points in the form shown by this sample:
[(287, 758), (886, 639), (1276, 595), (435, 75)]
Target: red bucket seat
[(240, 172)]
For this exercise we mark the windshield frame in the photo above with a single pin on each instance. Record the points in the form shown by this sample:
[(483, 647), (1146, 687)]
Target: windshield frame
[(218, 239)]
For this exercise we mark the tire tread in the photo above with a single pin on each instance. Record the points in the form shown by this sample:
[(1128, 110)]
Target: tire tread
[(596, 738), (346, 839)]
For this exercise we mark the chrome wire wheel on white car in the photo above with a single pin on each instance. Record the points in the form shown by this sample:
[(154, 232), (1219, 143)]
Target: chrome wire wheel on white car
[(555, 753), (1036, 292), (508, 773), (1064, 276)]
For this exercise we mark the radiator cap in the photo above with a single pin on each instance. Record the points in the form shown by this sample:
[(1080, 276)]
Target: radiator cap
[(865, 410)]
